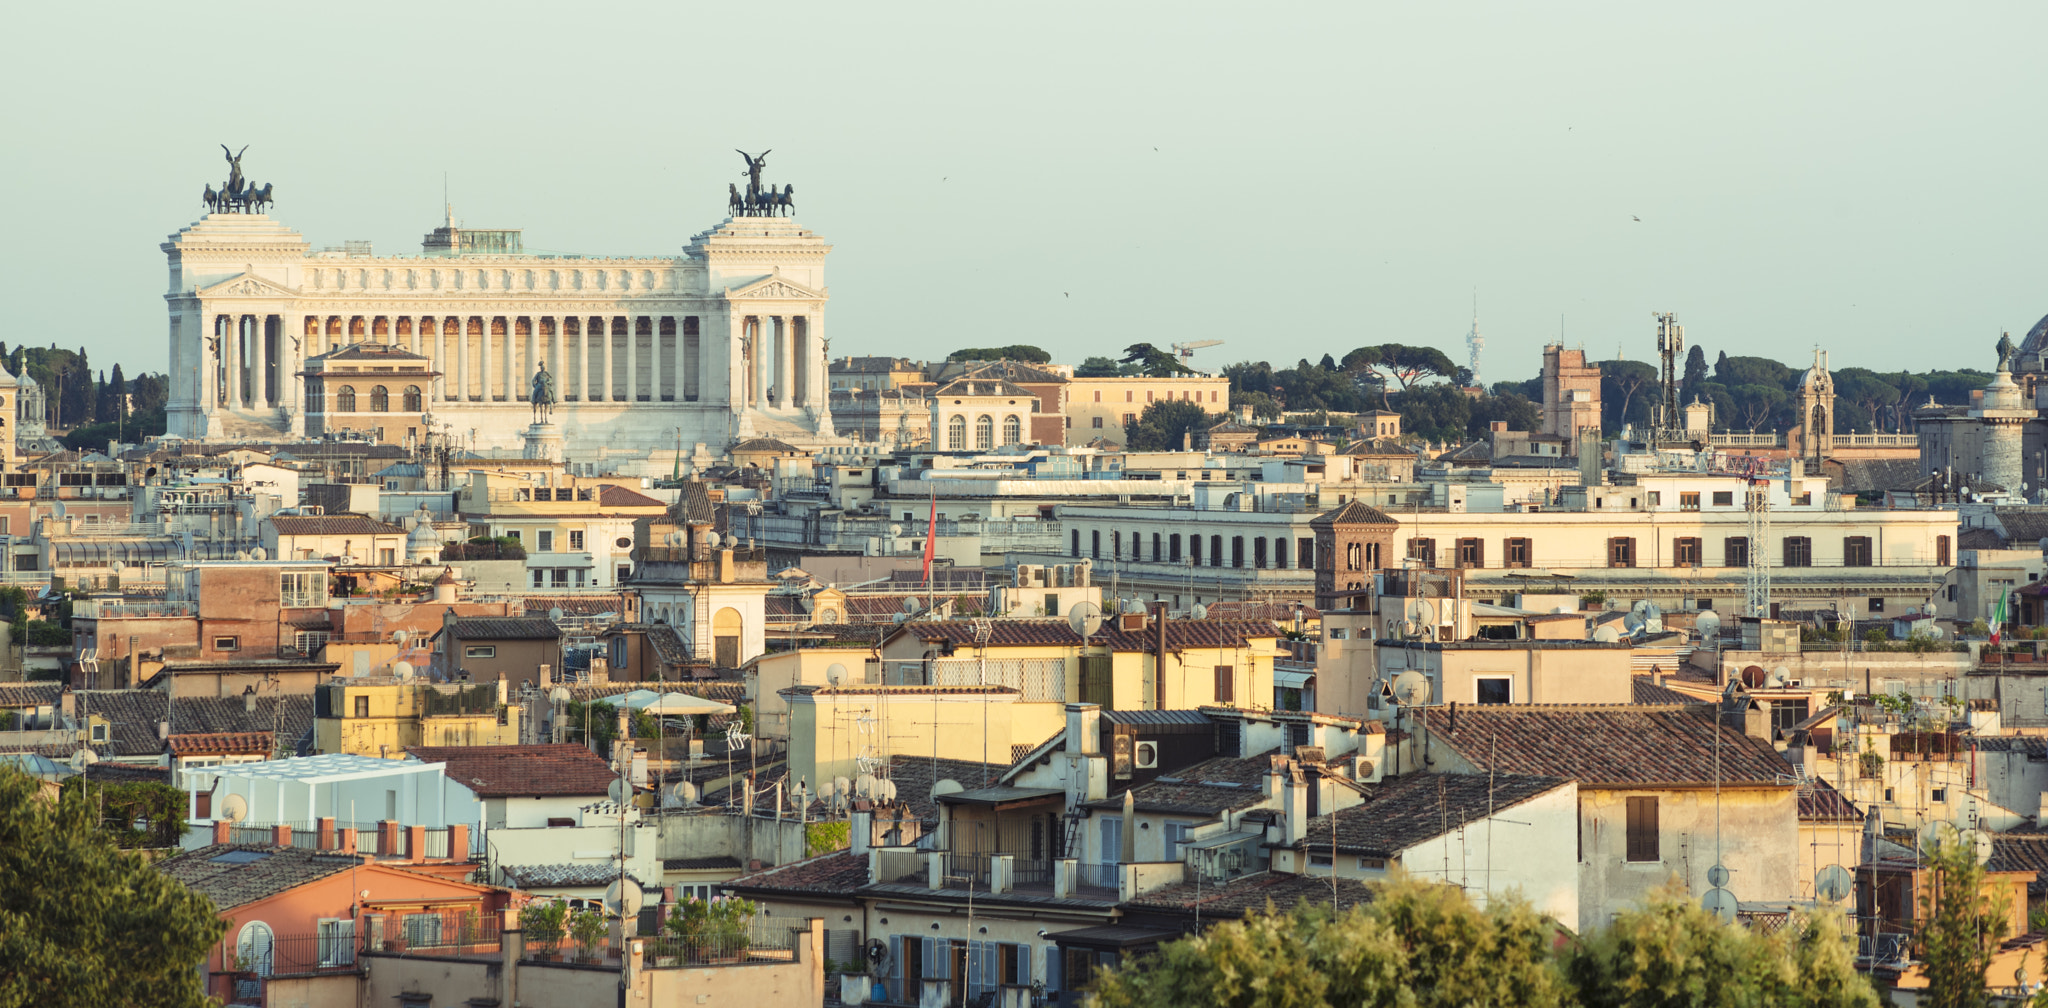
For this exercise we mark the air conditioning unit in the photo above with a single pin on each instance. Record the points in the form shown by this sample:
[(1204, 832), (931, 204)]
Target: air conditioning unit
[(1146, 755)]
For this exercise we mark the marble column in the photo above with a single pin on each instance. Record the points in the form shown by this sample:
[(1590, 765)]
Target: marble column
[(609, 383), (532, 343), (632, 393), (486, 360), (814, 346), (785, 369), (461, 359), (691, 364), (583, 358)]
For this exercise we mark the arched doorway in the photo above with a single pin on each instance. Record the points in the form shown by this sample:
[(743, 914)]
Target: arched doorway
[(725, 638)]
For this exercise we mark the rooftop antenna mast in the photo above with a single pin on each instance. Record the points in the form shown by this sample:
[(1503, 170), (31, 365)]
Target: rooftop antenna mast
[(1757, 584), (1666, 420), (1474, 343)]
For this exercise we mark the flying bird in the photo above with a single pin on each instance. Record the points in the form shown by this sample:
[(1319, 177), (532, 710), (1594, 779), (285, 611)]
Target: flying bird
[(1065, 294), (1638, 220)]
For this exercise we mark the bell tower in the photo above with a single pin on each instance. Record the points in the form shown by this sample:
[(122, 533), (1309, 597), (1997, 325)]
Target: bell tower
[(1817, 410)]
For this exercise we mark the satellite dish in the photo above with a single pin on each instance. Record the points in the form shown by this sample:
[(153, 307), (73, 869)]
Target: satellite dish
[(622, 898), (234, 808), (1707, 625), (559, 696), (619, 791), (555, 614), (1779, 676), (835, 673), (886, 790), (1753, 676), (1936, 632), (899, 617), (864, 786), (257, 553), (1633, 623), (842, 787), (946, 787), (401, 637), (1984, 844), (1200, 611), (1134, 607), (1422, 612), (1833, 884), (402, 671), (1085, 618), (1720, 903), (117, 566), (895, 530), (909, 604), (1411, 689), (1717, 876), (1606, 634), (83, 758), (241, 554)]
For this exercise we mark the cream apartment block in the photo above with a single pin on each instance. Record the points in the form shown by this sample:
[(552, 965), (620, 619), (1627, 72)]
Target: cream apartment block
[(1099, 407)]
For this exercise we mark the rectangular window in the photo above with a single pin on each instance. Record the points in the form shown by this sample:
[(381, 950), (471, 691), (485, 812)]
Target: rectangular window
[(1621, 552), (1642, 830), (1518, 552), (362, 706), (512, 534), (1798, 551), (1226, 684), (1724, 498), (1656, 498), (1685, 551), (1176, 834), (1423, 551), (1129, 396), (480, 651), (576, 539), (302, 590), (1856, 551), (1098, 398), (227, 643), (559, 577), (1471, 553), (1735, 551), (1937, 794), (1095, 422), (1688, 502), (1940, 549), (1130, 418), (544, 541), (1493, 690), (1877, 603)]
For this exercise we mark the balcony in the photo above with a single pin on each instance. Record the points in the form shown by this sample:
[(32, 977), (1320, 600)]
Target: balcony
[(1018, 873)]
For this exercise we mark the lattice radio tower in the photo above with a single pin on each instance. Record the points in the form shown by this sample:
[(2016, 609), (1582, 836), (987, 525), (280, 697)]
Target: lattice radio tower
[(1474, 343), (1757, 588)]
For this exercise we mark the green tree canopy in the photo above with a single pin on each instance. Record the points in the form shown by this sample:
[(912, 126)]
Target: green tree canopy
[(1153, 362), (1162, 425), (1015, 351), (1099, 367), (1626, 389), (84, 923)]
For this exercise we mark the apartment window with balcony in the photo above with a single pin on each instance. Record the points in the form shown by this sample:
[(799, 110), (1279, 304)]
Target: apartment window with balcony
[(1856, 551), (559, 578), (1621, 552), (1236, 551), (1259, 553), (1215, 551), (1518, 552), (1688, 502), (1798, 551), (544, 541), (1685, 551), (1471, 553), (1172, 548), (1735, 551)]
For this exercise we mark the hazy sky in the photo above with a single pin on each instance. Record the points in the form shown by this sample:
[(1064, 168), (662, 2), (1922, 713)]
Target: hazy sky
[(1291, 179)]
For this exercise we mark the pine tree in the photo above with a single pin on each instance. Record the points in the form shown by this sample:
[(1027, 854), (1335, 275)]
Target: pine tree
[(107, 929), (114, 396)]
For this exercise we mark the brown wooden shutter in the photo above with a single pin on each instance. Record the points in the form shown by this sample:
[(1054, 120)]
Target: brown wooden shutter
[(1642, 830), (1226, 684)]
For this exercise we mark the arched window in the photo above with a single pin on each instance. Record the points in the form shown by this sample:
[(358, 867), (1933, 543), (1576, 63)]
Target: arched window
[(956, 433), (253, 946), (412, 398), (1013, 429), (345, 399), (984, 432), (380, 399)]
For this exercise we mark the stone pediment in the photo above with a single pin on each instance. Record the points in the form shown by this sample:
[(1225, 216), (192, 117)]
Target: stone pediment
[(248, 285), (775, 288)]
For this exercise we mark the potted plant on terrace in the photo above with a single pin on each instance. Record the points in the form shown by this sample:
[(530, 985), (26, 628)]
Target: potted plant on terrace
[(713, 930), (587, 927), (544, 924)]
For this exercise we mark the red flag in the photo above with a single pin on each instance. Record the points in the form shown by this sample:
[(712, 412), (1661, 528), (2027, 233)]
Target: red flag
[(931, 539)]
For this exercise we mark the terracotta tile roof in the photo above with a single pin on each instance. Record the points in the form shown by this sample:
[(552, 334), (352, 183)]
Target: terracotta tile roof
[(574, 605), (1189, 635), (763, 444), (506, 628), (506, 771), (1820, 802), (232, 743), (572, 874), (1610, 747), (915, 776), (1409, 809), (1254, 893), (612, 495), (1211, 787), (14, 696), (1353, 513), (1645, 691), (1002, 632), (2021, 852), (700, 863), (837, 873), (232, 875), (342, 524)]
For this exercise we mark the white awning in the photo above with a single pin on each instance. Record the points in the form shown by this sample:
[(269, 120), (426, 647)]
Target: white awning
[(1292, 680)]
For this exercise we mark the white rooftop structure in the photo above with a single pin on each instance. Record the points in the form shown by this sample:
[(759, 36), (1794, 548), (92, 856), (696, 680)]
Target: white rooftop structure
[(354, 790)]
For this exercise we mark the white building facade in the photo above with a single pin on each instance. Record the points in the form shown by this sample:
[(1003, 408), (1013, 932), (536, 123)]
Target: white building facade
[(724, 341)]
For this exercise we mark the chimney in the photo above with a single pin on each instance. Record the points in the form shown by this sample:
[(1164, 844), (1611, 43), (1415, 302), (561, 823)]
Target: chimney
[(1295, 810), (1159, 642), (862, 823), (1498, 426), (249, 699), (1084, 728)]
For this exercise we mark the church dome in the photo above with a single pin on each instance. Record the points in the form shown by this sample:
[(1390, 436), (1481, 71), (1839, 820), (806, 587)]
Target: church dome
[(2037, 338), (1816, 378), (423, 541)]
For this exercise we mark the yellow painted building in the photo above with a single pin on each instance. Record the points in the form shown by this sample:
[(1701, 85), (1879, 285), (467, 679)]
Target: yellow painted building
[(1099, 407), (381, 716)]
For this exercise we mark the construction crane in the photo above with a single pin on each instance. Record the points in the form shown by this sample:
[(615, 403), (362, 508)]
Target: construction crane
[(1188, 349)]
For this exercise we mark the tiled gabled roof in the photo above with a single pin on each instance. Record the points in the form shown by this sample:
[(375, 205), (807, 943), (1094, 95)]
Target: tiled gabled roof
[(1189, 635), (613, 495), (1353, 512), (295, 525), (506, 628), (1610, 747), (227, 743), (235, 875), (1820, 802), (15, 696), (838, 874), (1409, 809), (1254, 893), (1211, 787), (505, 771)]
